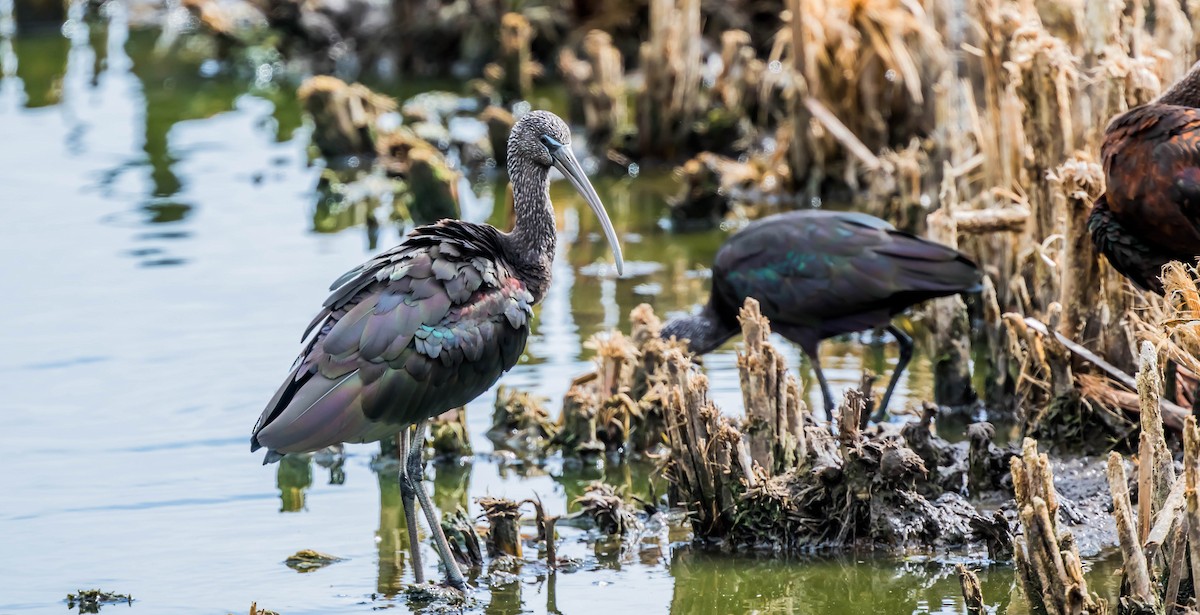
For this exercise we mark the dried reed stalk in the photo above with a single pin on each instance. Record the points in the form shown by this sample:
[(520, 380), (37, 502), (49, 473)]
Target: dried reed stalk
[(504, 533), (1137, 572), (971, 590), (1158, 455), (708, 459), (1191, 472), (774, 423), (670, 98), (596, 82), (513, 74), (1048, 562)]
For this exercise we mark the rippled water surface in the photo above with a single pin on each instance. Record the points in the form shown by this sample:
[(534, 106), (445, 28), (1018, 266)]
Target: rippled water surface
[(161, 255)]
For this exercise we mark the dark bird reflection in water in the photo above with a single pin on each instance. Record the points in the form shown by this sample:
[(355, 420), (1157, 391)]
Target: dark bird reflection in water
[(392, 536)]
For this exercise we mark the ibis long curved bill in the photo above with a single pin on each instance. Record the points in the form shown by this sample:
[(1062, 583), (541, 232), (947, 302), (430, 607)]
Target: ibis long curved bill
[(568, 165)]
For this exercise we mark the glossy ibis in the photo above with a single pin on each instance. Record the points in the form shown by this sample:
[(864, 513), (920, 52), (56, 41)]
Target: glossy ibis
[(818, 274), (428, 325), (1149, 214)]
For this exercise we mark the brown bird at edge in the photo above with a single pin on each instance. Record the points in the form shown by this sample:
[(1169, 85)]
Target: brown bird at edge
[(1149, 214), (428, 326)]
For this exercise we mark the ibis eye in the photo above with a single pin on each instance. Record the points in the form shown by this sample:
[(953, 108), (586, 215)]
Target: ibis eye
[(551, 144)]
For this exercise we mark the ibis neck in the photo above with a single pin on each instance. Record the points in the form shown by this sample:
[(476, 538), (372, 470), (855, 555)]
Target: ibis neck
[(1185, 92), (534, 236), (705, 331)]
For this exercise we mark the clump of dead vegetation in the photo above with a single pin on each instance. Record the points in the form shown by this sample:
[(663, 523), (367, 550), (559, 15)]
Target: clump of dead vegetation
[(776, 478), (91, 600), (618, 408)]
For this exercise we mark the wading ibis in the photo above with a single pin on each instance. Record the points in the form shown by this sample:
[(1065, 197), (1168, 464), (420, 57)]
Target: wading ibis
[(428, 325), (817, 274), (1149, 214)]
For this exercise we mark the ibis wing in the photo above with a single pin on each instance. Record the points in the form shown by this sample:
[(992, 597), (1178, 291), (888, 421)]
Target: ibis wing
[(1151, 157), (416, 331), (835, 272)]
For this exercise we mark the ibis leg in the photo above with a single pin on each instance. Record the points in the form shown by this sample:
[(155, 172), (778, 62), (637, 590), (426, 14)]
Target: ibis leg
[(906, 352), (409, 484), (825, 392), (416, 464)]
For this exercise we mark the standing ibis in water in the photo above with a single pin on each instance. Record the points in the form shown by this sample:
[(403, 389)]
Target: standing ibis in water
[(1149, 214), (428, 326), (817, 274)]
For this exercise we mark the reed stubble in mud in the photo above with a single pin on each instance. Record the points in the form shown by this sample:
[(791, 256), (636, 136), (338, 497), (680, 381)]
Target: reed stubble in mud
[(1047, 560), (778, 479)]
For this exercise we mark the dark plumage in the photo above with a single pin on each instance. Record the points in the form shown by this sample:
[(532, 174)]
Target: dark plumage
[(817, 274), (430, 324), (418, 330), (1150, 212)]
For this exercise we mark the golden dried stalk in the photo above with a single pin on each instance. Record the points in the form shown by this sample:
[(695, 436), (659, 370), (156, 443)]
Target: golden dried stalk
[(1154, 454), (1007, 219), (1137, 573), (1191, 472), (707, 457), (1048, 563)]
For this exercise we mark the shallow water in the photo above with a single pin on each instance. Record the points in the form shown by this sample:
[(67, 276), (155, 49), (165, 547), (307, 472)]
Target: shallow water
[(160, 261)]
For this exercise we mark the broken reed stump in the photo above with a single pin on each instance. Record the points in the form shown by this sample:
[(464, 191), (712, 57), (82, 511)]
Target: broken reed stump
[(432, 187), (971, 590), (951, 341), (463, 539), (504, 530), (551, 546), (774, 413), (596, 82), (608, 510), (1047, 560), (448, 435), (520, 421), (1156, 549), (1155, 460), (512, 76), (708, 461), (343, 116), (1191, 472), (618, 408), (1136, 572)]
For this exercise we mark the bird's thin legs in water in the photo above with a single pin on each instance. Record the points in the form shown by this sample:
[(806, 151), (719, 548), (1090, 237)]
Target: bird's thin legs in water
[(416, 465), (825, 392), (906, 352), (409, 484)]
